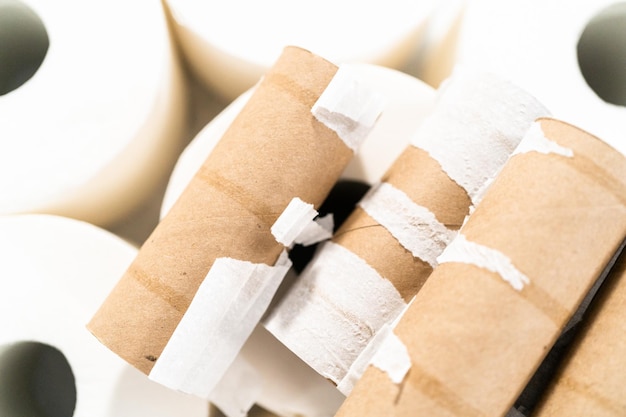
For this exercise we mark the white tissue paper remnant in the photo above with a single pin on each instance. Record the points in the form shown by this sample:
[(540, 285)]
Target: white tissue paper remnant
[(238, 390), (415, 227), (536, 141), (392, 357), (348, 108), (316, 231), (386, 352), (477, 123), (464, 251), (327, 326), (293, 221), (227, 306)]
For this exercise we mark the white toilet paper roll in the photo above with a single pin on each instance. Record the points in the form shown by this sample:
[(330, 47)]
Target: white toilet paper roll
[(54, 273), (229, 45), (434, 61), (100, 123), (290, 387), (535, 44), (408, 100)]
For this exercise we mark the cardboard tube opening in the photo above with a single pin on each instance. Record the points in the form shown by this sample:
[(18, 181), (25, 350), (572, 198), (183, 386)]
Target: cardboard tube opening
[(23, 44), (35, 380), (602, 54)]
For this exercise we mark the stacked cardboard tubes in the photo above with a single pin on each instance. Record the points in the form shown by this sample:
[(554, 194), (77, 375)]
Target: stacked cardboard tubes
[(476, 251), (472, 335), (496, 303), (397, 231)]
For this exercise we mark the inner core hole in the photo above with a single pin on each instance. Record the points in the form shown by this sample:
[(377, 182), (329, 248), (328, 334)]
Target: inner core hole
[(36, 381), (602, 54), (23, 44)]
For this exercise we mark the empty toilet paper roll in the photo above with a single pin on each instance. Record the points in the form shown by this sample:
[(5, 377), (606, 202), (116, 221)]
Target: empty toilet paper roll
[(290, 387), (383, 253), (100, 123), (55, 271), (590, 381), (230, 45), (509, 281), (520, 41), (204, 278), (408, 101)]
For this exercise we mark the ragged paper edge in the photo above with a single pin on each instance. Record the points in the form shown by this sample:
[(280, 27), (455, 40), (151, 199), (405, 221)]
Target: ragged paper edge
[(298, 224), (238, 390), (318, 230), (534, 141), (331, 313), (476, 124), (227, 306), (392, 357), (292, 221), (348, 108), (464, 251), (415, 227), (384, 351)]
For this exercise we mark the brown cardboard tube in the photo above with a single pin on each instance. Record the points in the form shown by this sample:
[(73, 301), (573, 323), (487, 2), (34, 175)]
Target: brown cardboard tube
[(474, 340), (592, 377), (421, 178), (385, 251), (273, 151)]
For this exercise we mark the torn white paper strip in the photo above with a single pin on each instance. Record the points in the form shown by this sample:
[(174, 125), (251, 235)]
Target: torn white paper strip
[(348, 107), (415, 227), (331, 313), (227, 306), (316, 231), (477, 122), (536, 141), (360, 364), (293, 221), (392, 357), (238, 390), (464, 251)]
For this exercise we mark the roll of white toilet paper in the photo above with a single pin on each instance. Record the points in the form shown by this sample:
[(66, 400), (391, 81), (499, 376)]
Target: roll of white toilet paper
[(289, 386), (54, 273), (99, 125), (408, 100), (229, 45), (556, 50)]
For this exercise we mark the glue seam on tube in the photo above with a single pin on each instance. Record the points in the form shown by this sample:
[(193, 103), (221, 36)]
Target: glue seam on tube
[(468, 252), (415, 227), (332, 312), (348, 108), (536, 141), (490, 116), (227, 306)]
